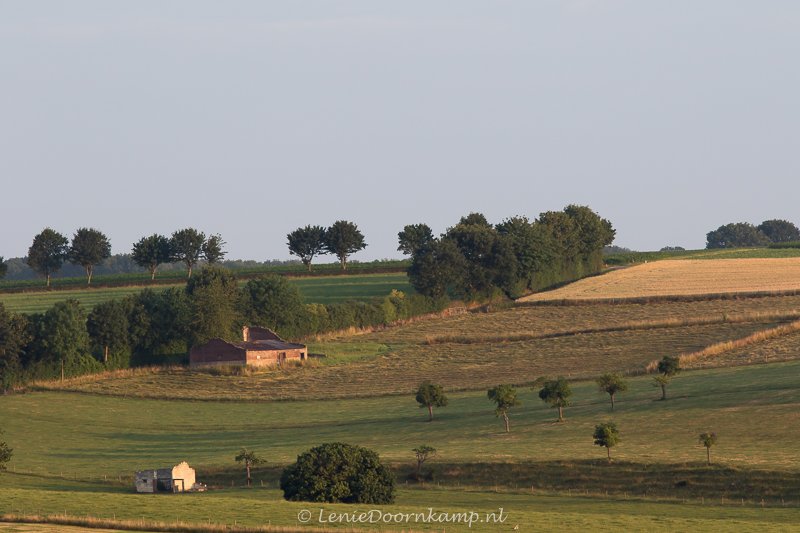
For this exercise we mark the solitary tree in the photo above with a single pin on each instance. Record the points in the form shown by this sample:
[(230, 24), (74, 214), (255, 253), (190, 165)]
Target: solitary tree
[(212, 249), (413, 238), (612, 384), (343, 239), (607, 436), (5, 454), (48, 253), (89, 248), (430, 396), (306, 243), (504, 398), (423, 453), (557, 393), (152, 251), (337, 472), (186, 245), (250, 459), (708, 440), (667, 368)]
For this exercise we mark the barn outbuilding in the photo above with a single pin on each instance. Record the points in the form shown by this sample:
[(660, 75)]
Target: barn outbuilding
[(258, 347), (179, 478)]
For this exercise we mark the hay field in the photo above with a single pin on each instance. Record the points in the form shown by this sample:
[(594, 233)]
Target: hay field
[(682, 278), (456, 366)]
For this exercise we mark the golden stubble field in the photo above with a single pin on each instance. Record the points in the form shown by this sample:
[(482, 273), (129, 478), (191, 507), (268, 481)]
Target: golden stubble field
[(683, 277)]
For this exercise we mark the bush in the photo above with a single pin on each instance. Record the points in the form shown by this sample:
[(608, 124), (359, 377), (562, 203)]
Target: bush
[(338, 473)]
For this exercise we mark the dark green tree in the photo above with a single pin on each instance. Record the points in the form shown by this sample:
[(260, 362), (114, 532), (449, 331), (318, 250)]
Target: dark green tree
[(667, 368), (272, 302), (250, 459), (65, 339), (438, 270), (214, 298), (422, 453), (5, 454), (3, 268), (338, 473), (108, 326), (89, 248), (306, 243), (708, 440), (48, 253), (607, 436), (212, 249), (152, 251), (430, 396), (343, 239), (779, 230), (612, 384), (504, 398), (594, 232), (159, 322), (413, 238), (186, 246), (557, 393), (14, 336), (736, 235)]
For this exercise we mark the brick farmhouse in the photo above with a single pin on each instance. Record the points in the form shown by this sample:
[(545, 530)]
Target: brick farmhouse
[(258, 347)]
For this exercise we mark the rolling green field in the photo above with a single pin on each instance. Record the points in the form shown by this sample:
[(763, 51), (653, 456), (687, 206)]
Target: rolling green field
[(321, 289), (753, 409), (626, 258)]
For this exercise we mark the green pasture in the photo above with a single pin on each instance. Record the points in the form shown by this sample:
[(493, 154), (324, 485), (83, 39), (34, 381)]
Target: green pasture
[(76, 453), (265, 507), (625, 258), (754, 409), (321, 289)]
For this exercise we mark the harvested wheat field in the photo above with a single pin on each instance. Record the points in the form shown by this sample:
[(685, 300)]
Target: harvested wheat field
[(683, 278)]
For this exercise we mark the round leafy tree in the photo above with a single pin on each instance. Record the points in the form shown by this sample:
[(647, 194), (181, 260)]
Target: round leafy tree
[(338, 473)]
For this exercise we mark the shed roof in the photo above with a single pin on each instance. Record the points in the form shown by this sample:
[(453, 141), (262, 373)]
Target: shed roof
[(269, 345)]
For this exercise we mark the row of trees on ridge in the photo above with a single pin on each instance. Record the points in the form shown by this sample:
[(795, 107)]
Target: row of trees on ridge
[(744, 234), (90, 247), (341, 239)]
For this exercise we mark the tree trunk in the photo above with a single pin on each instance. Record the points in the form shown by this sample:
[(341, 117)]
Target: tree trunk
[(612, 402), (308, 265), (419, 469), (247, 466), (708, 454), (560, 414), (62, 369), (89, 274), (505, 419), (608, 450), (663, 391), (430, 413), (48, 279), (105, 355), (153, 272), (189, 267), (343, 260)]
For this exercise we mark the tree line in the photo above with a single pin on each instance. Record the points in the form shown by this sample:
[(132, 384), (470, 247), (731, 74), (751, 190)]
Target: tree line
[(745, 234), (158, 326), (475, 259), (342, 239), (89, 247)]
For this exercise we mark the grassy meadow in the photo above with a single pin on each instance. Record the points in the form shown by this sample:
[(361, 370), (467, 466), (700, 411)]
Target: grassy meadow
[(58, 468), (318, 289)]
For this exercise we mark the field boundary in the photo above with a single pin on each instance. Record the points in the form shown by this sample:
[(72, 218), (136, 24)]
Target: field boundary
[(720, 348), (662, 298), (628, 326)]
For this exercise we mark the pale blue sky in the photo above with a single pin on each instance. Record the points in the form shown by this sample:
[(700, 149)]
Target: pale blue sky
[(251, 118)]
